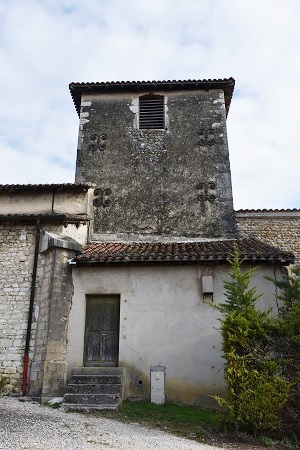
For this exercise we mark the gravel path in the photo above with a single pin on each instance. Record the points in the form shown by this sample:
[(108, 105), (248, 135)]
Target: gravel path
[(27, 425)]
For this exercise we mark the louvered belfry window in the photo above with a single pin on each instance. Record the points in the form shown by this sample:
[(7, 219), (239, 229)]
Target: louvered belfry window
[(151, 112)]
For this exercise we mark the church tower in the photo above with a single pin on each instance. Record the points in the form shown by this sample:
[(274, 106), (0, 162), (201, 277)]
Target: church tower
[(158, 154)]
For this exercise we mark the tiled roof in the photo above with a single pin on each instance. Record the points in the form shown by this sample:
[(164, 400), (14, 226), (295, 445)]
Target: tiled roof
[(226, 84), (184, 252), (46, 187), (65, 218), (267, 210)]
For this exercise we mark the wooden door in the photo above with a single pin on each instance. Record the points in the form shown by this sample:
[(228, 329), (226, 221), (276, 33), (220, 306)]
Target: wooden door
[(101, 342)]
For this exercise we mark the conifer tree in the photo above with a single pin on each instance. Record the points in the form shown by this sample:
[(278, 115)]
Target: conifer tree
[(286, 344), (256, 390)]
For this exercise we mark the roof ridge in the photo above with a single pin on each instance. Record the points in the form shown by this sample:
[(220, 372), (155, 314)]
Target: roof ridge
[(250, 249)]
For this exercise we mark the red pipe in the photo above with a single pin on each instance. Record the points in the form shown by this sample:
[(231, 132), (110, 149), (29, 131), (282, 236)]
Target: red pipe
[(25, 373)]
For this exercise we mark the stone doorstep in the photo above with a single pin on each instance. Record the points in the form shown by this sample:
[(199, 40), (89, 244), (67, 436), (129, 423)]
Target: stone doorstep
[(87, 408), (93, 388), (92, 399), (96, 379)]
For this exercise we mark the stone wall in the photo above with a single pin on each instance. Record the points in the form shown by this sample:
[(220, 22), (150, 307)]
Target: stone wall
[(48, 374), (173, 181), (278, 228), (17, 243), (42, 307), (17, 246), (62, 210)]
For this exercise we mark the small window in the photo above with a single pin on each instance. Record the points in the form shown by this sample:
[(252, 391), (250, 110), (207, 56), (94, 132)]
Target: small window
[(151, 112)]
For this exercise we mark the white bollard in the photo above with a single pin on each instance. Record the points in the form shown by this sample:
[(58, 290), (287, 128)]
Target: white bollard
[(157, 377)]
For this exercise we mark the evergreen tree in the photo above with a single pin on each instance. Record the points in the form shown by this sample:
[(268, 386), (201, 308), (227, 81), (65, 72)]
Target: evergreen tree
[(256, 390), (286, 344)]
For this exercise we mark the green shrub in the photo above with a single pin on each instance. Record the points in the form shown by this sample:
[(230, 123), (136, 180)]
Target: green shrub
[(286, 344), (254, 397), (256, 388)]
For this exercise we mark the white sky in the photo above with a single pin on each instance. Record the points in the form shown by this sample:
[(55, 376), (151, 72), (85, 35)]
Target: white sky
[(46, 44)]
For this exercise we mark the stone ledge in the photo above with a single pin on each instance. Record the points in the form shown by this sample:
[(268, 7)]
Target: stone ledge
[(51, 240)]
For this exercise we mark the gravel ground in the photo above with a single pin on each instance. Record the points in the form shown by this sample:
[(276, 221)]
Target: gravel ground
[(28, 425)]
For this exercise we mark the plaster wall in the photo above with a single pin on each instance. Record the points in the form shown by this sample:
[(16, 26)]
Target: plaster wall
[(168, 182), (163, 321)]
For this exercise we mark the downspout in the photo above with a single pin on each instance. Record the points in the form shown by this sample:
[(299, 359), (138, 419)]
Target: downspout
[(31, 305)]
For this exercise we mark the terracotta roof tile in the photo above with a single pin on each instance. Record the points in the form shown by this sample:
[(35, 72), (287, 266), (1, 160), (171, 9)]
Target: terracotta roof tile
[(77, 89), (45, 187), (267, 210), (50, 217), (184, 252)]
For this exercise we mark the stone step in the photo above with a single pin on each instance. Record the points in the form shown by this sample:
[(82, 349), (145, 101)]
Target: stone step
[(98, 371), (93, 388), (86, 407), (96, 379), (92, 399), (78, 388)]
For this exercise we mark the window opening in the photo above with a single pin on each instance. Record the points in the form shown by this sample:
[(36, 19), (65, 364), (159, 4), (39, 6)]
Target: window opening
[(151, 112)]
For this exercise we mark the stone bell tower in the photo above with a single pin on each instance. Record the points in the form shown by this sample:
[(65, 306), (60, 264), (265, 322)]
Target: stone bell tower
[(158, 154)]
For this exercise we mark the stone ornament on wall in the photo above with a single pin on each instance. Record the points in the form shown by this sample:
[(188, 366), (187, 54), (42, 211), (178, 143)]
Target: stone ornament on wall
[(102, 197), (207, 191), (98, 141), (206, 137)]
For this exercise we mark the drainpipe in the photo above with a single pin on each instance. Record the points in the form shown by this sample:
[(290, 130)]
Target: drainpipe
[(31, 305)]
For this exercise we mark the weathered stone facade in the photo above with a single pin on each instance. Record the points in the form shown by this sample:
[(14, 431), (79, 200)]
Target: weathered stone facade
[(49, 368), (20, 222), (280, 228), (173, 181), (17, 242)]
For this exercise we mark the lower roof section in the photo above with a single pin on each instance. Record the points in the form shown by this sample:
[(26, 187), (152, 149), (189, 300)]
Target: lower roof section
[(46, 187), (250, 249)]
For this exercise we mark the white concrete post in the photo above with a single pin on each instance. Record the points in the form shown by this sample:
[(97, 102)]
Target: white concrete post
[(158, 384)]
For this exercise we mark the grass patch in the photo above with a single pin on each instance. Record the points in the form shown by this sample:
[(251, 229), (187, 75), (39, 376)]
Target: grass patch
[(184, 421)]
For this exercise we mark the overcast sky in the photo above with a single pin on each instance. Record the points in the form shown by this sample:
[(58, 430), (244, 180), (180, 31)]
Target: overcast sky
[(46, 44)]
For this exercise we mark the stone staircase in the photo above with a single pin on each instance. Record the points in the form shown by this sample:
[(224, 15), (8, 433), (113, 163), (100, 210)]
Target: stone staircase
[(94, 388)]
